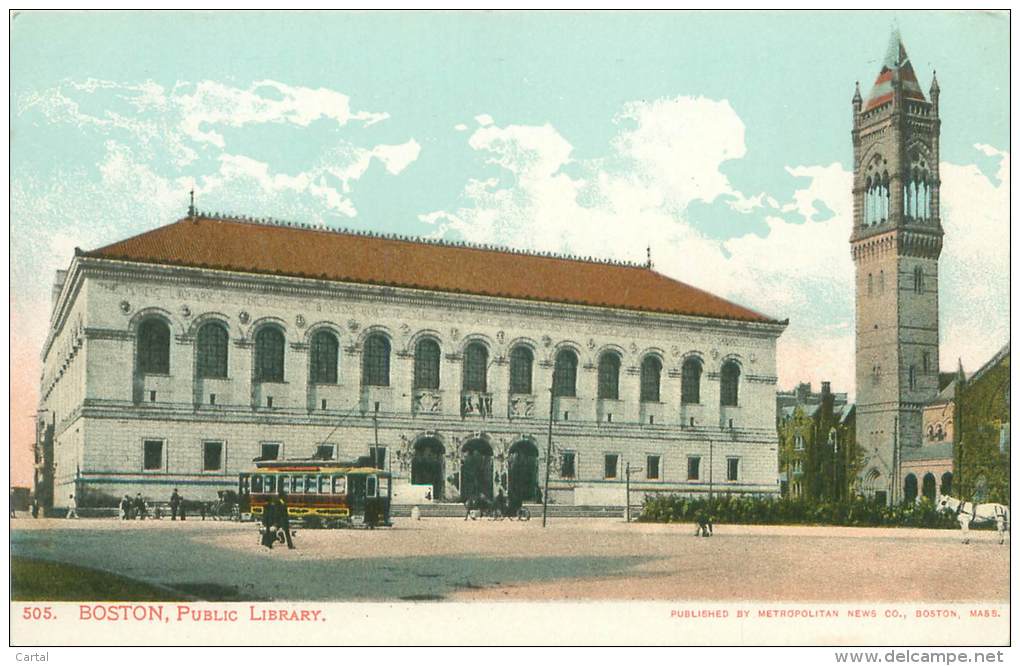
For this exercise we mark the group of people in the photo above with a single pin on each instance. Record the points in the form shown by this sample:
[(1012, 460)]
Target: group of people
[(131, 509)]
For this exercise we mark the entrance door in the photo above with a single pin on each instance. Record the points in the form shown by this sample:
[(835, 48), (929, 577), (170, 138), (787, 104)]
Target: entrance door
[(427, 466), (356, 486), (523, 471), (476, 470)]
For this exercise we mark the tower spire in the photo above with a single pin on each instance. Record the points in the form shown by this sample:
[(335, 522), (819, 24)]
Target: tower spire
[(191, 206)]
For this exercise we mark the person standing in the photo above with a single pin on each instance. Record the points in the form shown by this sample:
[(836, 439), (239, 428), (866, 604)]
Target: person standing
[(35, 507), (139, 507), (125, 507), (283, 518), (269, 523), (175, 504), (72, 507), (183, 509)]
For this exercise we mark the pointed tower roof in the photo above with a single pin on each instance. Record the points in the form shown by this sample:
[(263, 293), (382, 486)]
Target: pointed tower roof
[(896, 67)]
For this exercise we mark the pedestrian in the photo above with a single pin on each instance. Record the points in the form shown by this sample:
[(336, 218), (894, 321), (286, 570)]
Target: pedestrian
[(184, 511), (125, 507), (140, 509), (35, 507), (269, 523), (201, 509), (175, 503), (72, 507), (283, 517)]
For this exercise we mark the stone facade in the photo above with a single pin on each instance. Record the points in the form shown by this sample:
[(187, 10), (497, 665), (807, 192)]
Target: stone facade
[(895, 244), (817, 452), (100, 414)]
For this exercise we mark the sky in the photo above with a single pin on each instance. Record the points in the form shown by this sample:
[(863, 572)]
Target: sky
[(720, 140)]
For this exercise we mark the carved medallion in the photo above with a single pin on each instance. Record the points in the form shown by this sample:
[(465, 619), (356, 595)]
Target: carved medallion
[(591, 344), (353, 326), (300, 321), (125, 307), (633, 348), (546, 341), (501, 337), (455, 334), (244, 317), (185, 311), (675, 351)]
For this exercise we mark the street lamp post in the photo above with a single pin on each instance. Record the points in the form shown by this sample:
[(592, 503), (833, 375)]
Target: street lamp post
[(628, 473)]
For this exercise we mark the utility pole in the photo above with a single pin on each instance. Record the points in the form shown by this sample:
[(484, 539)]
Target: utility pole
[(895, 481), (548, 461), (711, 448), (628, 473)]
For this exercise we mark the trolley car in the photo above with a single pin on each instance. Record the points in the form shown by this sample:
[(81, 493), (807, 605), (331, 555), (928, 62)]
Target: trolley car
[(319, 493)]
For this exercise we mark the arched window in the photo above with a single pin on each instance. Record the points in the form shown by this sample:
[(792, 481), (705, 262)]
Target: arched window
[(476, 363), (426, 364), (910, 488), (912, 377), (918, 280), (213, 341), (375, 361), (325, 354), (269, 345), (925, 362), (154, 347), (730, 381), (521, 360), (690, 382), (609, 376), (565, 374), (871, 284), (651, 372)]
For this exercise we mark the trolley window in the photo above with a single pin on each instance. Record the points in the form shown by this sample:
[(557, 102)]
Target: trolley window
[(269, 485), (340, 485), (323, 484), (243, 489), (298, 484), (256, 483), (370, 486), (311, 484), (283, 483), (384, 486)]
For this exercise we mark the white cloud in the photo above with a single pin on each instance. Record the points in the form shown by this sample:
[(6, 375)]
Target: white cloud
[(397, 158), (667, 155)]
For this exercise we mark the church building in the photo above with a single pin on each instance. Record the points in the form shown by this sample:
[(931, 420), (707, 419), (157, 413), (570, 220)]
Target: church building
[(895, 244), (178, 356)]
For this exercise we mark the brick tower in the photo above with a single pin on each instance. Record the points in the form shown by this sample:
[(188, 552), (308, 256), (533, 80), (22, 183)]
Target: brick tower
[(896, 242)]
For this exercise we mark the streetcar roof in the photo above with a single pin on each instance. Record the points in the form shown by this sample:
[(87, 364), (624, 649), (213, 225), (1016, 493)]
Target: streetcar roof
[(312, 466)]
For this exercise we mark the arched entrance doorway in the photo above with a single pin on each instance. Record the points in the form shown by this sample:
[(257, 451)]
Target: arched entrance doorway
[(522, 466), (928, 486), (476, 470), (427, 465), (910, 489)]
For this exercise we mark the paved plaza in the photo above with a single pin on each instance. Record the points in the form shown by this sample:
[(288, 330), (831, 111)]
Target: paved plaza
[(571, 559)]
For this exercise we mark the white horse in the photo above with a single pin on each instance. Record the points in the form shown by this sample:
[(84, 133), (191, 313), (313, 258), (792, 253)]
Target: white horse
[(969, 512)]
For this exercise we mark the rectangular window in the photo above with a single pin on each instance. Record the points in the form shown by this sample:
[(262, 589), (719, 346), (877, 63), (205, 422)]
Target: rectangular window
[(378, 456), (311, 484), (298, 484), (798, 442), (732, 469), (370, 486), (270, 485), (611, 462), (652, 467), (324, 452), (212, 456), (568, 465), (693, 468), (340, 485), (152, 454), (270, 451)]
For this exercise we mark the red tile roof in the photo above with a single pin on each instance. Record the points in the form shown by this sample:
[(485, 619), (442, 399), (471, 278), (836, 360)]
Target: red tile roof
[(311, 252)]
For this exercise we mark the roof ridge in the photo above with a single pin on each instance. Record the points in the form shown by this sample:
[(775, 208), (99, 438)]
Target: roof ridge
[(409, 238)]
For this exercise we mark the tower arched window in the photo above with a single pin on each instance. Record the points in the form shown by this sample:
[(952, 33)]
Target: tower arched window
[(871, 284), (476, 362), (729, 379), (213, 341), (269, 352), (521, 361), (925, 362), (325, 357), (651, 373), (918, 280), (565, 374), (375, 361), (912, 377), (690, 382), (154, 347), (426, 364), (609, 376)]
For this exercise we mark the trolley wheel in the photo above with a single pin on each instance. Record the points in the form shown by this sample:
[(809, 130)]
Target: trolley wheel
[(523, 514)]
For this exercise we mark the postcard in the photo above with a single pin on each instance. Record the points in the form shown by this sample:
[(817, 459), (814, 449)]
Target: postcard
[(357, 328)]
